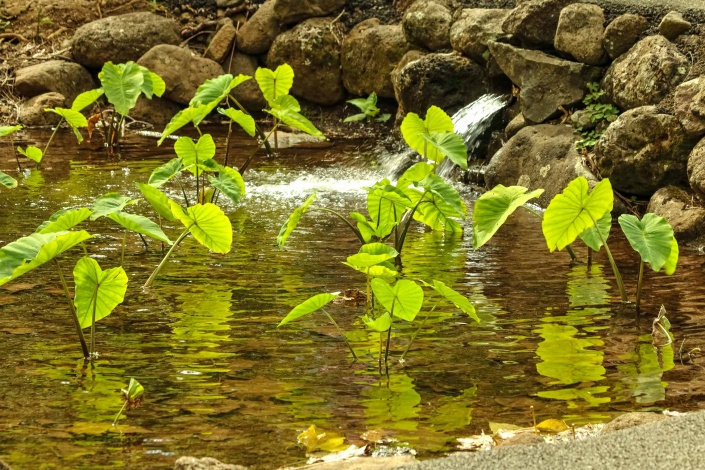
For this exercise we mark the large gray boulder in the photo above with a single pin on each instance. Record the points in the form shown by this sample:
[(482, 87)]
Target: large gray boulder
[(535, 21), (369, 54), (474, 28), (313, 51), (642, 151), (121, 38), (676, 205), (646, 74), (449, 81), (546, 82), (579, 34), (248, 94), (157, 111), (67, 78), (696, 169), (295, 11), (32, 111), (542, 156), (182, 70), (427, 24), (689, 104), (623, 32), (257, 35)]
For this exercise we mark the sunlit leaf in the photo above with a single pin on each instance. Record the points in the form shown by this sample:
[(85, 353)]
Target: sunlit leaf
[(191, 153), (7, 130), (97, 291), (380, 324), (208, 225), (230, 183), (415, 174), (591, 236), (158, 200), (386, 205), (404, 300), (413, 129), (152, 83), (552, 426), (33, 153), (134, 391), (110, 203), (355, 118), (86, 99), (448, 144), (372, 254), (244, 120), (440, 205), (309, 306), (7, 180), (315, 439), (64, 220), (140, 224), (122, 85), (670, 266), (165, 172), (183, 117), (73, 118), (651, 237), (293, 221), (213, 91), (275, 83), (286, 109)]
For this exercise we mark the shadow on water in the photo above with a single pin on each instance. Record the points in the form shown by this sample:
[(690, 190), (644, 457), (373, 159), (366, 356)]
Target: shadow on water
[(221, 380)]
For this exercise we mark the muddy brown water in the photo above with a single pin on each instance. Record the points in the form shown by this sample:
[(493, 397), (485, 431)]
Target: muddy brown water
[(221, 380)]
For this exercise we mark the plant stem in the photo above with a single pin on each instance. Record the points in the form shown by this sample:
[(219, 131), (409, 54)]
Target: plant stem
[(183, 191), (144, 241), (342, 333), (46, 147), (264, 142), (386, 352), (14, 152), (120, 412), (258, 129), (617, 275), (379, 361), (166, 257), (402, 238), (95, 307), (638, 285), (413, 338), (119, 130), (340, 216), (589, 259), (72, 308)]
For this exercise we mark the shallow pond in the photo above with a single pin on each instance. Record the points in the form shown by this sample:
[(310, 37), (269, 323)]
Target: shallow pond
[(221, 380)]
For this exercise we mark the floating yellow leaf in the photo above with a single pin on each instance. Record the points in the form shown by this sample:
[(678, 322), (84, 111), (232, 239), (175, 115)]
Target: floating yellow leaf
[(552, 426), (315, 439)]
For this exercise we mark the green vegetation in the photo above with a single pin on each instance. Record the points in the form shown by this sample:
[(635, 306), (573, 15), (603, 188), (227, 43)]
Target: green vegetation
[(368, 108), (601, 114)]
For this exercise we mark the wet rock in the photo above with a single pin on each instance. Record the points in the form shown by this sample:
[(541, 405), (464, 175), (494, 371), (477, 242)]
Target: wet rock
[(427, 24), (542, 156), (182, 71), (68, 78), (475, 28), (313, 51), (581, 120), (205, 463), (121, 38), (579, 34), (546, 82), (690, 106), (646, 74), (535, 21), (449, 81), (676, 205), (32, 111), (157, 111), (642, 151), (673, 25), (515, 125), (248, 93), (622, 33), (257, 35), (629, 420), (221, 43), (294, 11), (369, 54), (522, 439), (696, 169)]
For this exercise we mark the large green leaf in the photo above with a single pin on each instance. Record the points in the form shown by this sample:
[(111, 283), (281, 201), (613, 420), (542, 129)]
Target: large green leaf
[(386, 205), (309, 306), (73, 118), (7, 180), (369, 230), (215, 90), (33, 153), (404, 300), (440, 205), (7, 130), (244, 120), (122, 84), (494, 207), (230, 182), (448, 144), (192, 153), (591, 236), (575, 210), (110, 203), (651, 237), (86, 99), (183, 117), (97, 290), (158, 200), (293, 221), (208, 225), (152, 83), (415, 174), (166, 172), (413, 129), (27, 253), (286, 109), (140, 224), (371, 254), (379, 324), (455, 298), (64, 220), (275, 83)]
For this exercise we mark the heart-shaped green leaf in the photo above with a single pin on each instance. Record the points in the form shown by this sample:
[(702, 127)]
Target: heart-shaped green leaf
[(86, 99), (215, 90), (110, 203), (370, 255), (64, 220), (97, 290), (651, 237), (7, 130), (208, 225), (73, 118), (286, 109), (413, 129), (275, 83), (192, 153), (448, 144), (592, 238), (192, 114), (455, 298), (293, 221), (166, 172), (152, 83), (379, 324), (140, 224), (33, 153), (122, 85), (309, 306), (230, 182), (158, 200), (404, 300), (244, 120)]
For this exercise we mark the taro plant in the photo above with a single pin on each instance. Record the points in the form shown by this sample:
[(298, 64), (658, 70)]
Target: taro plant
[(131, 396), (368, 110), (6, 131)]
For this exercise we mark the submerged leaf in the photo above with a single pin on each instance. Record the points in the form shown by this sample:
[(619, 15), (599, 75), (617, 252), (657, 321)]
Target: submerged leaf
[(97, 292), (293, 221), (309, 306)]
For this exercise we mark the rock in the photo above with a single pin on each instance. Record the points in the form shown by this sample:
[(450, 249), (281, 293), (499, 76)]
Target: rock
[(32, 111), (427, 24), (579, 34), (622, 33), (535, 21), (369, 54), (515, 125), (646, 74), (449, 81), (248, 94), (257, 35), (157, 111), (221, 43), (629, 420), (522, 439), (369, 463), (642, 151), (474, 28), (690, 106), (581, 120), (68, 78), (121, 38), (182, 71), (676, 205), (696, 169), (228, 3), (673, 25), (313, 51), (542, 156), (206, 463), (546, 82), (295, 11)]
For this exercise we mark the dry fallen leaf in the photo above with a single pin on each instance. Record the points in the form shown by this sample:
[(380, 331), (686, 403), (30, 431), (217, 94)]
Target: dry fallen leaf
[(552, 426)]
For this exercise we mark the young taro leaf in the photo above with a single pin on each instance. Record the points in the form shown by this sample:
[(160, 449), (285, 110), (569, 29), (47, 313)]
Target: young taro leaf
[(494, 207), (404, 300), (64, 220), (132, 395), (74, 119), (275, 83), (287, 110), (166, 172), (368, 106), (139, 224), (7, 180), (439, 206), (183, 117), (7, 130), (152, 84), (192, 154), (379, 324), (416, 173), (213, 91), (455, 298), (651, 237), (371, 254), (309, 306), (97, 291), (448, 144), (122, 85), (86, 99), (208, 225), (230, 182), (110, 203), (293, 221), (158, 200), (33, 153), (244, 120), (591, 237), (386, 205), (413, 129)]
